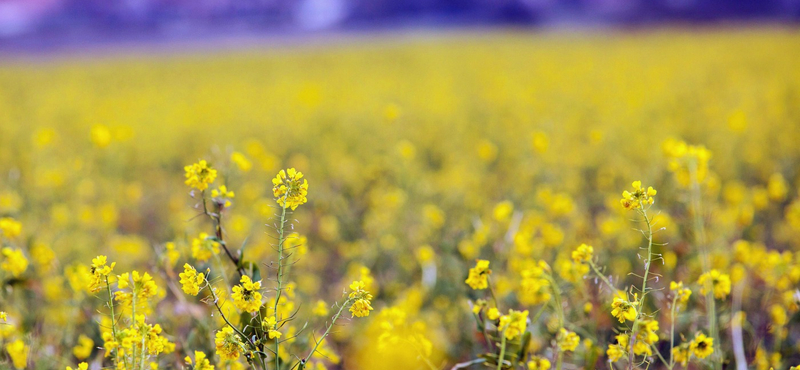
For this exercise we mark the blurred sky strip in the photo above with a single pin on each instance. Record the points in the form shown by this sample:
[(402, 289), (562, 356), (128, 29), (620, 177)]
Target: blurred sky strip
[(45, 24)]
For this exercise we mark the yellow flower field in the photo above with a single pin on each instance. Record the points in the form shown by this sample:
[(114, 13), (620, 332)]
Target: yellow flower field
[(505, 199)]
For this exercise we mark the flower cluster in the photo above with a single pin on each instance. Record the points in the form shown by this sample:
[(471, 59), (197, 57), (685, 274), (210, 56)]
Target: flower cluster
[(199, 175), (191, 281), (361, 299), (478, 277), (639, 198), (288, 189), (246, 295)]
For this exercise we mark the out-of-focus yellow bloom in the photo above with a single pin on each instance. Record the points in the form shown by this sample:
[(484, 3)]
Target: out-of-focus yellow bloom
[(502, 211), (479, 275), (619, 350), (681, 293), (513, 324), (18, 351), (582, 254), (246, 295), (84, 347), (241, 161), (567, 340), (701, 346), (493, 313), (191, 281), (81, 366), (204, 247), (199, 175), (289, 190), (9, 227), (200, 361), (222, 195), (3, 316), (681, 354), (13, 261), (320, 308), (639, 198), (716, 282), (538, 363), (229, 346)]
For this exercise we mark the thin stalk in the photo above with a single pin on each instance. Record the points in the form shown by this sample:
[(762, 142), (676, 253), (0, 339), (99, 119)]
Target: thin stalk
[(602, 277), (700, 239), (327, 331), (672, 332), (559, 313), (244, 336), (114, 324), (281, 240), (640, 304), (502, 350)]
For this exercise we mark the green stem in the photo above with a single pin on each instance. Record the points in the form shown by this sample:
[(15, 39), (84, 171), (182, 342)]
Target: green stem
[(602, 277), (114, 324), (647, 263), (327, 331), (281, 240), (244, 336), (502, 350), (672, 333)]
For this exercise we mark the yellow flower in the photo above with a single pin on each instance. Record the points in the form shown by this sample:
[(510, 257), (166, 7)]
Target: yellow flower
[(200, 361), (647, 330), (639, 198), (100, 272), (81, 366), (567, 340), (10, 227), (320, 308), (3, 316), (271, 324), (688, 162), (18, 352), (199, 175), (582, 254), (623, 309), (513, 324), (681, 354), (538, 363), (479, 275), (13, 261), (246, 296), (493, 313), (228, 345), (361, 306), (191, 281), (143, 285), (222, 195), (84, 348), (288, 190), (204, 247), (716, 282), (620, 350), (701, 346), (241, 161), (681, 293)]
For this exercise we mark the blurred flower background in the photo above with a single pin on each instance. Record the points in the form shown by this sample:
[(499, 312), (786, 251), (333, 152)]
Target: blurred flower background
[(431, 134)]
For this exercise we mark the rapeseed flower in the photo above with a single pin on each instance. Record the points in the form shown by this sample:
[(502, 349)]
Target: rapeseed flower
[(18, 351), (228, 345), (567, 340), (191, 281), (639, 198), (716, 282), (513, 324), (13, 261), (288, 190), (204, 247), (479, 275), (246, 295), (199, 175), (701, 346)]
